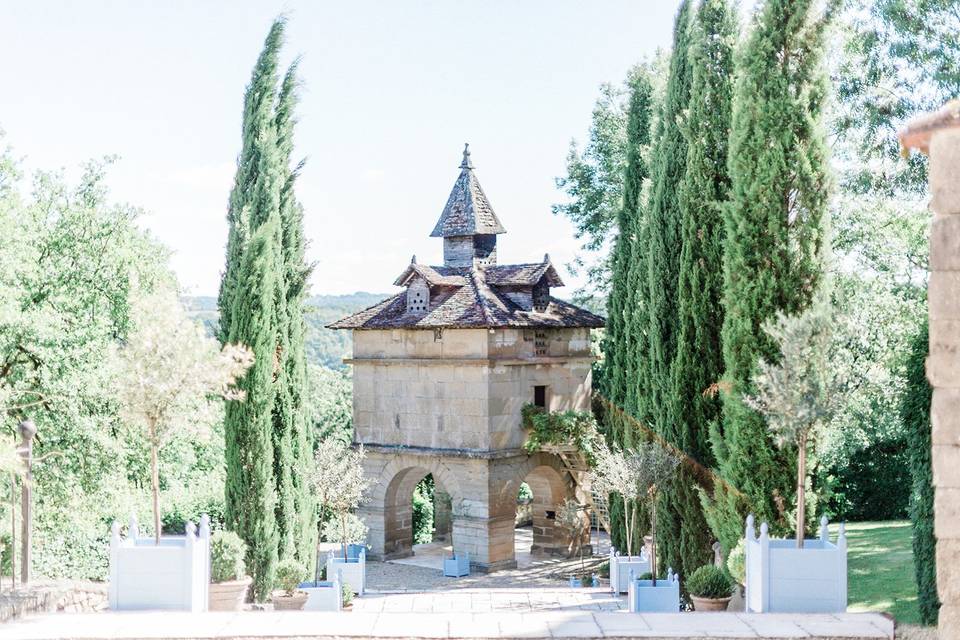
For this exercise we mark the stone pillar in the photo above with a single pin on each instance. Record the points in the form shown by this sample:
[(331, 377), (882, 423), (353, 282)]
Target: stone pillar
[(442, 513), (938, 134)]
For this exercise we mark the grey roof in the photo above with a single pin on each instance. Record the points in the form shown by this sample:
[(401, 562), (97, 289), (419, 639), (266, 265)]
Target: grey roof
[(468, 211), (477, 303)]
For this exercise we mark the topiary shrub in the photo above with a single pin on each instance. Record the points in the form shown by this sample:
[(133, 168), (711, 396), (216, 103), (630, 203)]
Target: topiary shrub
[(290, 574), (346, 594), (737, 562), (709, 581), (227, 551)]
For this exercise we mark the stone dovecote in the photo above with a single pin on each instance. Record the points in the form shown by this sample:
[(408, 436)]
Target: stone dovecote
[(441, 371)]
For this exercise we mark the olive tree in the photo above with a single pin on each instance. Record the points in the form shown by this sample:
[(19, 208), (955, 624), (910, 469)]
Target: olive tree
[(636, 474), (339, 482), (575, 523), (169, 376), (799, 394)]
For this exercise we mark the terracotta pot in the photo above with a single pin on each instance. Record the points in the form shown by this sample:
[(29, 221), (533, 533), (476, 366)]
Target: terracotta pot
[(283, 602), (710, 604), (229, 595)]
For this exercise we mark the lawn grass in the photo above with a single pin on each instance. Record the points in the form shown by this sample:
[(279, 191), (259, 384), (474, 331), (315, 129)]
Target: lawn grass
[(880, 569)]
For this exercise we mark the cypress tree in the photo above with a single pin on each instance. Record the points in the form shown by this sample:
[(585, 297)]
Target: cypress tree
[(915, 413), (698, 364), (773, 247), (619, 354), (668, 166), (251, 313), (300, 510)]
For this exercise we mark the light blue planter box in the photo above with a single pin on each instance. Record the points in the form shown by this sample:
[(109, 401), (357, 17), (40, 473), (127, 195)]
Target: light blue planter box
[(352, 571), (622, 566), (322, 596), (784, 579), (458, 566), (643, 597)]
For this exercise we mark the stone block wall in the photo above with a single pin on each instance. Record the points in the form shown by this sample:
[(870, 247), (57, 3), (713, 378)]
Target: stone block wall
[(943, 369), (53, 596)]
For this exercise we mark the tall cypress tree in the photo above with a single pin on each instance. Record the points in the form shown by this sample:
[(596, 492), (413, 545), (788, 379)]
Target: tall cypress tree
[(698, 363), (773, 246), (619, 354), (668, 166), (300, 519), (261, 298)]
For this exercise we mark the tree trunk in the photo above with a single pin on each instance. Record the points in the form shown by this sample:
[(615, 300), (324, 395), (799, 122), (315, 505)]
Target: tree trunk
[(653, 536), (631, 523), (155, 485), (343, 536), (801, 490)]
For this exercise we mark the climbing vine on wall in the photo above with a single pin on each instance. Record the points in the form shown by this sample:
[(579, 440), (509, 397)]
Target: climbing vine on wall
[(559, 428)]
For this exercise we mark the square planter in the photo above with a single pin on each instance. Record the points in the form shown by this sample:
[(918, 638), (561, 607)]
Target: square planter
[(173, 575), (644, 597), (322, 596), (352, 570), (621, 566), (784, 579), (458, 566)]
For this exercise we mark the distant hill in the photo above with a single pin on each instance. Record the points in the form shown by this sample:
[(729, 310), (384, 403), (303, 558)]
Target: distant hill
[(324, 347)]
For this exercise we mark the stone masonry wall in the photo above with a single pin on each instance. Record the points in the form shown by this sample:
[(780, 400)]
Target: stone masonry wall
[(52, 596), (943, 369)]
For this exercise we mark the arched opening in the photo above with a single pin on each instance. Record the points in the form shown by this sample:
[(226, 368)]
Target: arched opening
[(539, 495), (417, 515)]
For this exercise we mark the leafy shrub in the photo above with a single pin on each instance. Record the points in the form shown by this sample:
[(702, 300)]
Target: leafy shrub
[(737, 562), (356, 530), (346, 594), (290, 574), (869, 485), (709, 581), (423, 511), (227, 551), (577, 428), (525, 494), (188, 502)]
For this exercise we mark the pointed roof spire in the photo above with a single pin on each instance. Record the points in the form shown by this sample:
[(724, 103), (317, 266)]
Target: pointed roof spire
[(467, 212), (466, 164)]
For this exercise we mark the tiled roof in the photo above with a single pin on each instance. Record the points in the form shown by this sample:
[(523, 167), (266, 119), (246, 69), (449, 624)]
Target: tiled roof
[(523, 274), (468, 211), (475, 304), (432, 275)]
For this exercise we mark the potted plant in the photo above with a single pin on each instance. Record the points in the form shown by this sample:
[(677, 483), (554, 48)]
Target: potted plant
[(652, 465), (797, 395), (709, 588), (290, 574), (228, 572), (340, 485), (168, 376), (613, 473)]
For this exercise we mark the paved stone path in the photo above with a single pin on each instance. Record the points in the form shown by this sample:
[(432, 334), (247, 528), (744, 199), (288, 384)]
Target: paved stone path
[(492, 601), (539, 624)]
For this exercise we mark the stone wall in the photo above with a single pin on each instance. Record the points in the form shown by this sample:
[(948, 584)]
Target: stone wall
[(53, 596)]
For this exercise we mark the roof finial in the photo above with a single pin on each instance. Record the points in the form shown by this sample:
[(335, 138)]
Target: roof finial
[(413, 260), (546, 258), (466, 164)]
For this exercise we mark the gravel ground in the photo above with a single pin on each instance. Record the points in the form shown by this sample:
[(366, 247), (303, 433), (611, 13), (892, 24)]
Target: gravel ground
[(388, 576)]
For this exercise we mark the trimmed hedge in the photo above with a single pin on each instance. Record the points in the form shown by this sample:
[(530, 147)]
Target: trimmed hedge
[(915, 412)]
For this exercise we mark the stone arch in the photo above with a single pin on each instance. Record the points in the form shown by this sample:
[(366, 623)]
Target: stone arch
[(389, 513), (551, 485)]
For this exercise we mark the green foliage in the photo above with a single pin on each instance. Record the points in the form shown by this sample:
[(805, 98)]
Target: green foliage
[(356, 530), (709, 581), (698, 362), (289, 574), (346, 594), (560, 428), (524, 494), (773, 249), (330, 403), (737, 562), (915, 410), (227, 552), (423, 511), (869, 485)]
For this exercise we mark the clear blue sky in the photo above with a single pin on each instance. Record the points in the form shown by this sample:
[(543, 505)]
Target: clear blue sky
[(392, 90)]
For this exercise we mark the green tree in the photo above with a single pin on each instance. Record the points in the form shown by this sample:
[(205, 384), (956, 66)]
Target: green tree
[(249, 314), (662, 238), (292, 433), (773, 248), (698, 364), (915, 410)]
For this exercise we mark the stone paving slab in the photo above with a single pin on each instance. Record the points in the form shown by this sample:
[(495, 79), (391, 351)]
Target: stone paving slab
[(531, 624)]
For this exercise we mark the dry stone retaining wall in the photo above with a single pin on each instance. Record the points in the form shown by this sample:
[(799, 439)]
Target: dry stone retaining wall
[(51, 597)]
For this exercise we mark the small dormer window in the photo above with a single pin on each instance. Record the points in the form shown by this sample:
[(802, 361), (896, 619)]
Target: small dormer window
[(418, 296)]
